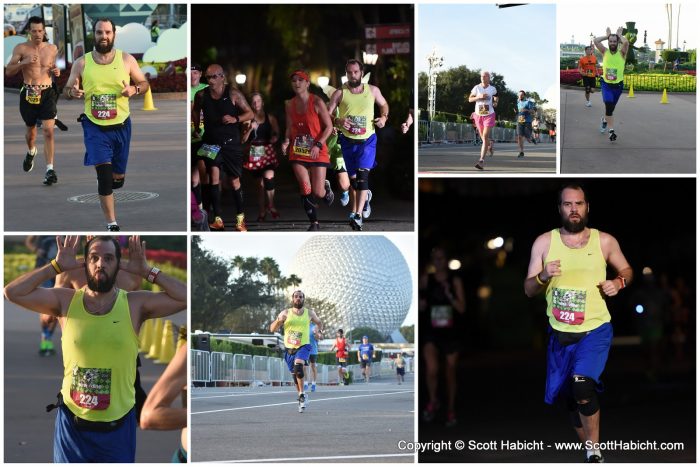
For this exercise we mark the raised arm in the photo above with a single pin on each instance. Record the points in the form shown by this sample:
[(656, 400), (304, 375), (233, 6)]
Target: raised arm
[(624, 43), (380, 121), (279, 321), (598, 41), (157, 413), (26, 290)]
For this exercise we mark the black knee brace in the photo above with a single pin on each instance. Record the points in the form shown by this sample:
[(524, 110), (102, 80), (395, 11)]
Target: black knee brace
[(609, 108), (269, 183), (104, 179), (584, 390), (117, 183), (574, 416), (299, 370), (362, 179), (353, 183)]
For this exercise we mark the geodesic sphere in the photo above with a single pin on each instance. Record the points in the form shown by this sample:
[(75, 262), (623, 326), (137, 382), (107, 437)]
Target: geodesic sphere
[(361, 281)]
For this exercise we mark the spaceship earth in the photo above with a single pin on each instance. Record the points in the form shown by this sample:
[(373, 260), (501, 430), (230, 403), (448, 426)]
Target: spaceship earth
[(355, 281)]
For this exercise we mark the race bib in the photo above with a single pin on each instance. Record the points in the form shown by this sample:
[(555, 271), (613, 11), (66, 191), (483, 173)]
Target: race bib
[(365, 356), (341, 360), (483, 109), (522, 119), (302, 145), (294, 338), (256, 153), (103, 106), (209, 150), (90, 387), (33, 95), (611, 74), (569, 305), (358, 125), (441, 316)]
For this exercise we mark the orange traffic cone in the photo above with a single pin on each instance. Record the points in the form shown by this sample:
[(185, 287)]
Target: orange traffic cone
[(148, 101)]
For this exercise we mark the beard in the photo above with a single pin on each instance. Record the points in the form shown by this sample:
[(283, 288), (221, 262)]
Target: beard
[(354, 84), (99, 282), (103, 49), (613, 48), (299, 305), (575, 227)]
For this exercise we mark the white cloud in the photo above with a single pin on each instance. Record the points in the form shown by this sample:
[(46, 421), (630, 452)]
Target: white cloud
[(172, 45), (133, 38)]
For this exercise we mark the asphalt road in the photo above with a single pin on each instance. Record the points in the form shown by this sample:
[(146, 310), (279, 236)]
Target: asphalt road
[(441, 159), (356, 423), (31, 383), (652, 137), (157, 164)]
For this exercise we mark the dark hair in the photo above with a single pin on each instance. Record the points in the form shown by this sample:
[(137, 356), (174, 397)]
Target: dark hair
[(616, 36), (36, 20), (104, 238), (104, 20), (571, 186), (340, 331), (354, 61)]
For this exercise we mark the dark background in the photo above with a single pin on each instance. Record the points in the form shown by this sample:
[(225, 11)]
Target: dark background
[(650, 375), (268, 42)]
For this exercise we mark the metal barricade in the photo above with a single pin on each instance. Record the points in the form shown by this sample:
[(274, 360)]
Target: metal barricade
[(260, 370), (274, 369), (242, 368), (222, 367), (200, 366)]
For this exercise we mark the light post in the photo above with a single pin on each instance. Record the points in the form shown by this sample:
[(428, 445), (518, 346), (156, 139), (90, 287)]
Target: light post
[(434, 62)]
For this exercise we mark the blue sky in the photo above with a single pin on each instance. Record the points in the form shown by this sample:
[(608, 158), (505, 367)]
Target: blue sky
[(518, 42)]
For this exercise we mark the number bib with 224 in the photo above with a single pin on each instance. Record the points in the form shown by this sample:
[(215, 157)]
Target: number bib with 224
[(90, 387), (104, 106), (569, 305)]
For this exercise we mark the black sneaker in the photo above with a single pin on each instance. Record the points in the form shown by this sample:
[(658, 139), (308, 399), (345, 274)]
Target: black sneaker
[(479, 165), (314, 227), (28, 163), (50, 177), (356, 222), (594, 459), (603, 124), (113, 228), (521, 155), (611, 135)]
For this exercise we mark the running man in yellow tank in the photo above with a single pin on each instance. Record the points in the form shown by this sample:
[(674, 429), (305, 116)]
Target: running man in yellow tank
[(569, 264), (96, 419), (612, 79), (297, 321), (105, 75)]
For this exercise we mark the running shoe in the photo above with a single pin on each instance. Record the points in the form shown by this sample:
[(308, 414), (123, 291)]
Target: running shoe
[(430, 412), (329, 196), (595, 459), (612, 135), (306, 386), (50, 178), (218, 224), (367, 209), (274, 213), (479, 165), (603, 124), (345, 198), (28, 163), (356, 222), (302, 400), (301, 403), (240, 223), (313, 387), (113, 228), (588, 104), (314, 227), (521, 155), (451, 420)]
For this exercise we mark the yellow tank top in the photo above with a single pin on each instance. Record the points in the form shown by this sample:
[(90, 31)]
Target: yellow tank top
[(574, 301), (360, 109), (296, 329), (613, 67), (104, 103), (99, 360)]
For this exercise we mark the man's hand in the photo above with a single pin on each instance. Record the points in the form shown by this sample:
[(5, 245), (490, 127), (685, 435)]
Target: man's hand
[(55, 71), (29, 59), (75, 91), (619, 31), (137, 257), (67, 249), (607, 31), (229, 119), (127, 90), (315, 152), (610, 288), (551, 269), (380, 122)]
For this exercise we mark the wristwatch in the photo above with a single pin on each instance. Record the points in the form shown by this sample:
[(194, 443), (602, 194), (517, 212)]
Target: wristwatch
[(318, 144)]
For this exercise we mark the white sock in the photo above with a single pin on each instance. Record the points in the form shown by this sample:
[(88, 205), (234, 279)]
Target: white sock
[(49, 166), (33, 151), (593, 452), (112, 223)]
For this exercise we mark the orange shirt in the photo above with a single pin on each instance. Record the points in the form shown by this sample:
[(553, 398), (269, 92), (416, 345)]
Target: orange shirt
[(589, 64)]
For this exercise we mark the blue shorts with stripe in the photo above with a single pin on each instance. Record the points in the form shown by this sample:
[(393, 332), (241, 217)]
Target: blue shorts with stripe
[(587, 357), (358, 154), (107, 146), (302, 353), (71, 444)]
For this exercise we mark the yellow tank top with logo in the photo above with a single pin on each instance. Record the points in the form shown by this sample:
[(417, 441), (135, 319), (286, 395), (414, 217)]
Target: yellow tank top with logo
[(574, 301), (99, 360), (359, 108), (296, 329), (102, 84), (613, 67)]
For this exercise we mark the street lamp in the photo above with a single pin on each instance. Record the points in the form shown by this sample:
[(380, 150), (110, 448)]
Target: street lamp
[(240, 78), (323, 81), (369, 59), (434, 62)]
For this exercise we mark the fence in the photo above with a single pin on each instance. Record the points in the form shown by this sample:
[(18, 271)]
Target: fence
[(238, 369), (459, 133), (672, 82)]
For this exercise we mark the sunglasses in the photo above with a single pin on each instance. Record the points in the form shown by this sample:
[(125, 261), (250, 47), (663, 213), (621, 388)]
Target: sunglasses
[(208, 77)]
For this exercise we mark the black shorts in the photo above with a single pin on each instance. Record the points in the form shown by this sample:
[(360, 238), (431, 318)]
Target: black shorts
[(259, 173), (312, 164), (365, 363), (524, 129), (341, 364), (312, 358), (44, 110), (589, 82), (400, 371), (229, 160)]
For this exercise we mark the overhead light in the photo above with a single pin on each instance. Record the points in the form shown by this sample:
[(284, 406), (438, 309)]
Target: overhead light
[(240, 78), (323, 81)]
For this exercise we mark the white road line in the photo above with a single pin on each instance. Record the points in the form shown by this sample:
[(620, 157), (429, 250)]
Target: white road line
[(312, 401), (262, 393), (283, 459)]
